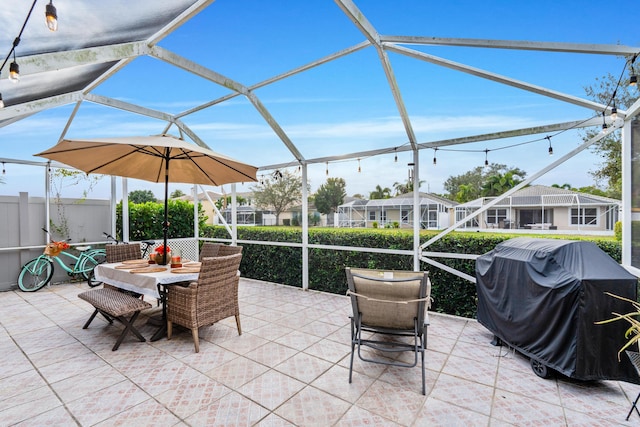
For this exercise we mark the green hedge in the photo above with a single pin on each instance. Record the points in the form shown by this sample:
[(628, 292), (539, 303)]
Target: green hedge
[(451, 294), (145, 220)]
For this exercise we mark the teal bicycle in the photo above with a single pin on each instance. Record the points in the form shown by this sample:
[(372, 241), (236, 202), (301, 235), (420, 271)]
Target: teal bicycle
[(38, 272)]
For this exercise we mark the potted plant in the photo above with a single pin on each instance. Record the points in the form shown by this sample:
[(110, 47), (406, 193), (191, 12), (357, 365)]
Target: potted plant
[(162, 256), (633, 333)]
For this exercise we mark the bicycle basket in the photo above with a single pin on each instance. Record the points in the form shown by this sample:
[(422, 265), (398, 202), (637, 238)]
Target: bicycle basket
[(54, 248)]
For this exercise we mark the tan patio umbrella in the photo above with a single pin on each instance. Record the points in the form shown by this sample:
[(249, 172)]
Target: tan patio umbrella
[(151, 158)]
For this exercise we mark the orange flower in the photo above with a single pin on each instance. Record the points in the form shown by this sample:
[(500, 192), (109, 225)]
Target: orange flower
[(160, 249)]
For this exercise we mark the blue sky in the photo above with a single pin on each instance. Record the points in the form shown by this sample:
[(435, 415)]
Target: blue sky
[(346, 106)]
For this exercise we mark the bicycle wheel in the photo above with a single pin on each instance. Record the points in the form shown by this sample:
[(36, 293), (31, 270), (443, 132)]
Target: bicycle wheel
[(89, 262), (91, 280), (35, 274)]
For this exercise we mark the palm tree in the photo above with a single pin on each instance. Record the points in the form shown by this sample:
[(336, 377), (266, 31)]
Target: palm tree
[(380, 193), (406, 187)]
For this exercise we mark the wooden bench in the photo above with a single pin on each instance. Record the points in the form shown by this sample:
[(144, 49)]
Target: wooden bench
[(113, 304)]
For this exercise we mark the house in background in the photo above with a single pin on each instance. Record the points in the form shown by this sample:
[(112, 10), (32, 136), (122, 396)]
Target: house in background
[(435, 212), (207, 207), (539, 207)]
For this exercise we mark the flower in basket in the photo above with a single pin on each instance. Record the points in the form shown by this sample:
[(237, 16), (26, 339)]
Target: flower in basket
[(160, 249), (62, 245)]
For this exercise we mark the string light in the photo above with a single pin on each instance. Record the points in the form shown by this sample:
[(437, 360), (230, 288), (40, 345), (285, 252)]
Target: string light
[(550, 147), (604, 123), (633, 78), (3, 170), (359, 170), (326, 172), (51, 16), (395, 158), (435, 150), (14, 70), (486, 157)]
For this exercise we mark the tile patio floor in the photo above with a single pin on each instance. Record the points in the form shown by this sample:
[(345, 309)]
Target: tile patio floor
[(289, 367)]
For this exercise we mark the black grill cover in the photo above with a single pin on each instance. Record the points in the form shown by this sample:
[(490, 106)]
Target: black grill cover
[(542, 297)]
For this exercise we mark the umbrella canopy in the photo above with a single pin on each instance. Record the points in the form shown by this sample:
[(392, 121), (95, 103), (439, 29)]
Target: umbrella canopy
[(151, 158), (148, 158)]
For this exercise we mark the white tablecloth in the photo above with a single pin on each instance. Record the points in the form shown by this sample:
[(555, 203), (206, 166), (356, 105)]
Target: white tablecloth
[(142, 283)]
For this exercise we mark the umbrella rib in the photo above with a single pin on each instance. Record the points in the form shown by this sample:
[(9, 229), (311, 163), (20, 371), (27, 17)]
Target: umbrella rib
[(135, 150), (214, 159)]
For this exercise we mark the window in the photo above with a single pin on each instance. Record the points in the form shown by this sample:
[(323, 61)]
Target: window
[(494, 216), (383, 216), (372, 215), (405, 216), (584, 216)]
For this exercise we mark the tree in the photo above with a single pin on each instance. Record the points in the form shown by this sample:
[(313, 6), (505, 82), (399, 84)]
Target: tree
[(141, 196), (330, 195), (469, 185), (380, 193), (279, 192), (609, 148), (497, 184), (565, 186), (223, 202), (405, 187), (177, 193)]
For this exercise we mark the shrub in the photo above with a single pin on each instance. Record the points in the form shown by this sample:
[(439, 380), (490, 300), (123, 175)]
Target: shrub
[(617, 230), (281, 264)]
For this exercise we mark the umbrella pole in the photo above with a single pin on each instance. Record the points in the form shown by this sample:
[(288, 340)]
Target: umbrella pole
[(165, 225)]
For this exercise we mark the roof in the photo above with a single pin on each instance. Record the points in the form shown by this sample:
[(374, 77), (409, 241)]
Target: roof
[(92, 41), (405, 199), (542, 195)]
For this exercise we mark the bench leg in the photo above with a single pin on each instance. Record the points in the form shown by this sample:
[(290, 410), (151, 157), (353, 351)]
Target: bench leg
[(93, 316), (128, 327), (635, 406)]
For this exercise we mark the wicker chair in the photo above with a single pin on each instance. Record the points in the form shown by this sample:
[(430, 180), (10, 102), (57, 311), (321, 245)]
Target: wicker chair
[(390, 307), (119, 253), (213, 297), (226, 250), (209, 250)]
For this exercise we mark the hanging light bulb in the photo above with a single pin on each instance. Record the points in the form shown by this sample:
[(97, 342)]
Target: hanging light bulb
[(3, 170), (614, 112), (326, 172), (550, 147), (633, 78), (435, 150), (14, 71), (604, 123), (395, 158), (359, 170), (51, 16), (486, 157)]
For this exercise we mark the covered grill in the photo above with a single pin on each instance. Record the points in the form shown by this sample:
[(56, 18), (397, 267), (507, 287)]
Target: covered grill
[(543, 297)]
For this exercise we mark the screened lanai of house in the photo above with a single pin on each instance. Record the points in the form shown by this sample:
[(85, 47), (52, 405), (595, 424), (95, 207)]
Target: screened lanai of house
[(80, 67)]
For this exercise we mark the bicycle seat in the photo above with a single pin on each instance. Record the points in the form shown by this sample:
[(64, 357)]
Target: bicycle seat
[(149, 242), (83, 248)]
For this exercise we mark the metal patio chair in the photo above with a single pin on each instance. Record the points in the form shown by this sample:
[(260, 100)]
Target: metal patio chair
[(390, 307)]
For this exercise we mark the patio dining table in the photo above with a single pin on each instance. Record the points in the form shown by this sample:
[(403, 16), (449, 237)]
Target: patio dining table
[(149, 283)]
